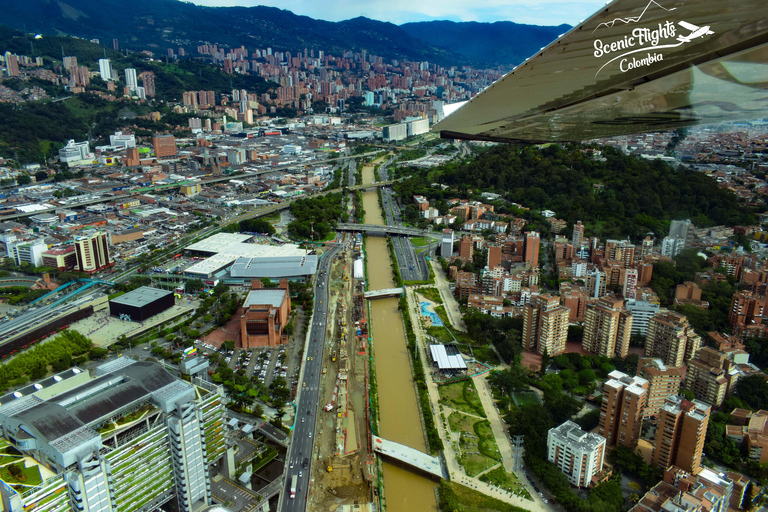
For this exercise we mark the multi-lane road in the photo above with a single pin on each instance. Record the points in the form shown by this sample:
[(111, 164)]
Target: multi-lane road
[(307, 400)]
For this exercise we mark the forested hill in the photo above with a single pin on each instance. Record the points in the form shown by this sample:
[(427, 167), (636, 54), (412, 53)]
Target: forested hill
[(616, 194)]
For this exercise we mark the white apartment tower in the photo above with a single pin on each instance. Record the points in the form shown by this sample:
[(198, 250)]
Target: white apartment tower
[(578, 454)]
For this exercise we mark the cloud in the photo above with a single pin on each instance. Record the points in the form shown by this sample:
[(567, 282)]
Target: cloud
[(535, 12)]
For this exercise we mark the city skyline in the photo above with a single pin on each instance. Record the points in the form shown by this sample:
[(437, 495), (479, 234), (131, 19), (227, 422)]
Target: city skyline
[(536, 12)]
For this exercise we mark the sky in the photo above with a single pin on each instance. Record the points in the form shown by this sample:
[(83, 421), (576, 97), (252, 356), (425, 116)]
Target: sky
[(534, 12)]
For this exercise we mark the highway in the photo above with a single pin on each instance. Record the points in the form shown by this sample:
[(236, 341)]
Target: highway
[(412, 267), (307, 400)]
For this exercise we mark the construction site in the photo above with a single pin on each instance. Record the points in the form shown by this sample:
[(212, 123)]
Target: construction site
[(344, 468)]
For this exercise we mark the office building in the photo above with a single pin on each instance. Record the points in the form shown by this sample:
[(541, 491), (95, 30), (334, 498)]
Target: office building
[(394, 132), (446, 243), (92, 252), (607, 328), (130, 79), (578, 454), (141, 303), (264, 315), (76, 153), (621, 412), (62, 258), (545, 325), (127, 436), (164, 146), (745, 317), (122, 140), (105, 69), (680, 433), (662, 380), (532, 242), (671, 338), (369, 99), (30, 251)]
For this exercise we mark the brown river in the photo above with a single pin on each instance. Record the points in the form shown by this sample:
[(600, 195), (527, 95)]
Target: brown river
[(404, 490)]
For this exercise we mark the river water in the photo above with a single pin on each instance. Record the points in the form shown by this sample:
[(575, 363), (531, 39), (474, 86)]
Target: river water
[(399, 421)]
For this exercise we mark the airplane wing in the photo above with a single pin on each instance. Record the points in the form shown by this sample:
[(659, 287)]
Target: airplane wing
[(688, 26), (602, 78)]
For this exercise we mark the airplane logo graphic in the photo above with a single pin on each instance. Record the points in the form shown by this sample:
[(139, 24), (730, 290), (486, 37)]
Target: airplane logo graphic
[(695, 32), (632, 19)]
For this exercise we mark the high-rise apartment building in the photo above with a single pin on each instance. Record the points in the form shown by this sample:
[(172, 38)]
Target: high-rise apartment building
[(662, 380), (532, 242), (578, 454), (148, 82), (446, 243), (11, 64), (494, 256), (680, 434), (164, 145), (671, 338), (642, 312), (621, 412), (607, 328), (69, 62), (105, 69), (92, 252), (713, 373), (466, 248), (130, 79), (545, 325), (682, 229), (672, 246), (578, 234), (630, 283), (127, 436), (745, 318)]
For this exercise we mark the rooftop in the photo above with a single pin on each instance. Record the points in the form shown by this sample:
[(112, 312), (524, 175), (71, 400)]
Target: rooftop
[(270, 296), (275, 266), (141, 296), (577, 438)]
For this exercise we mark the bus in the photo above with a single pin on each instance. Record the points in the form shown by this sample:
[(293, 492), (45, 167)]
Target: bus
[(294, 480)]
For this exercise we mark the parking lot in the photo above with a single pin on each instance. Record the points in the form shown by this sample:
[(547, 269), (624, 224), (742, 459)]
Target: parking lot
[(264, 363)]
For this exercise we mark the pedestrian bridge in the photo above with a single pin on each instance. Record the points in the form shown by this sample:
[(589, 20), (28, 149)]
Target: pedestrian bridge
[(410, 456), (386, 292), (375, 229)]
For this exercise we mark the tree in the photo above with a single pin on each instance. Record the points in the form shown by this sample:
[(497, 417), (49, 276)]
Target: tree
[(193, 286), (97, 353), (41, 175), (23, 179)]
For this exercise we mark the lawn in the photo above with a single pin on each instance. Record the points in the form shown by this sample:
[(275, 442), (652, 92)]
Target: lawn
[(31, 475), (440, 333), (486, 355), (419, 241), (431, 294), (521, 398), (458, 498), (478, 447), (506, 481), (462, 396)]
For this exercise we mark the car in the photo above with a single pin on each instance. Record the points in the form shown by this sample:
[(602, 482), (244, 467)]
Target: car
[(301, 474), (291, 465), (309, 412), (310, 435), (302, 420), (303, 384)]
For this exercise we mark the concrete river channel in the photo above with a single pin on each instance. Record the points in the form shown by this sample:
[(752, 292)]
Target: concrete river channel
[(399, 420)]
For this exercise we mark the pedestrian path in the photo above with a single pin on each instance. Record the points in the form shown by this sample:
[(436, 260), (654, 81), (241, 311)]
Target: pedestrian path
[(455, 470)]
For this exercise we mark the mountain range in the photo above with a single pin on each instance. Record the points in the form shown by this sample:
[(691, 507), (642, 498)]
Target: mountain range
[(160, 24)]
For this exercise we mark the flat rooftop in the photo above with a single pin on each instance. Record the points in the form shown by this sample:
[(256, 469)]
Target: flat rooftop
[(265, 296), (275, 266), (141, 296)]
